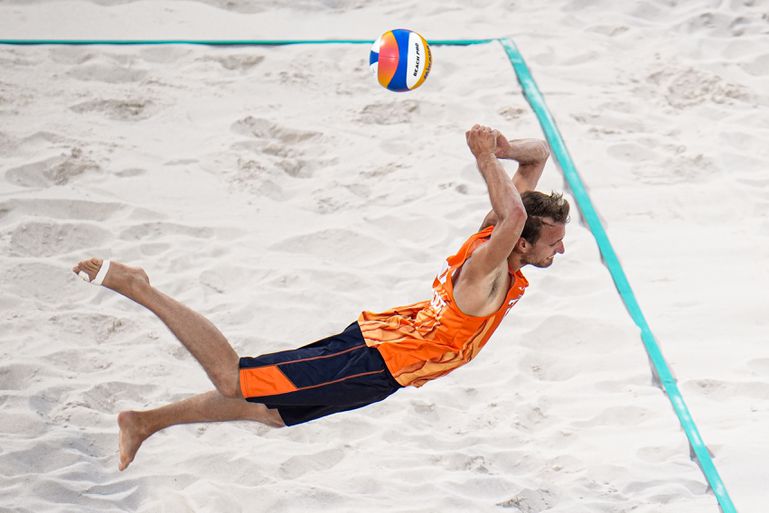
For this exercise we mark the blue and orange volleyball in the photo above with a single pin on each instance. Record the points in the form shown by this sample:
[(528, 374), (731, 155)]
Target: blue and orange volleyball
[(400, 60)]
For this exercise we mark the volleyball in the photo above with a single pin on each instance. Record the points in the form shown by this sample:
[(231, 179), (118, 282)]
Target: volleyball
[(400, 60)]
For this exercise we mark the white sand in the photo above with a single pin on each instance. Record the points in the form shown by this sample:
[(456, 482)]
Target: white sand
[(279, 191)]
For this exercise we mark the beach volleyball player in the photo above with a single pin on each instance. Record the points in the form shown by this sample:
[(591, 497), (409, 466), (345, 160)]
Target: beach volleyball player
[(380, 352)]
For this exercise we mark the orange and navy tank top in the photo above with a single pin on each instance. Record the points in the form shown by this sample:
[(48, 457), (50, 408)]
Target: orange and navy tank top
[(429, 339)]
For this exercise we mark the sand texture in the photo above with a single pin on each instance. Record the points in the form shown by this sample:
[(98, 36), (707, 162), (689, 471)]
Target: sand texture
[(280, 191)]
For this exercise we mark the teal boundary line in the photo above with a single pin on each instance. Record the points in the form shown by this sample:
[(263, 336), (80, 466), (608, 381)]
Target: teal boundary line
[(224, 42), (531, 92), (660, 368)]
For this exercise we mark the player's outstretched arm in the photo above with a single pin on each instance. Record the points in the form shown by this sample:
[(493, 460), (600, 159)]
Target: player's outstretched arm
[(531, 155), (505, 202)]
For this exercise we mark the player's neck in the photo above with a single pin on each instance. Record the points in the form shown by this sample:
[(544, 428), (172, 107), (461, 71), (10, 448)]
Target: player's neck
[(515, 262)]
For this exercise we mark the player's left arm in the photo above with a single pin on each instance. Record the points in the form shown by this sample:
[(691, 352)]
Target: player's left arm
[(531, 155)]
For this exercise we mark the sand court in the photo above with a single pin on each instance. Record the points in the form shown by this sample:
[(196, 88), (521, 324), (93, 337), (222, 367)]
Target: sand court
[(279, 191)]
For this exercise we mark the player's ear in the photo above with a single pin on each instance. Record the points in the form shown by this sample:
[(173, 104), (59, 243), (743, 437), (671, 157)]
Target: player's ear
[(522, 245)]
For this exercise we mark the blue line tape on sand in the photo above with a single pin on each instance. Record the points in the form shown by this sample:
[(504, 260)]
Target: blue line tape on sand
[(660, 367)]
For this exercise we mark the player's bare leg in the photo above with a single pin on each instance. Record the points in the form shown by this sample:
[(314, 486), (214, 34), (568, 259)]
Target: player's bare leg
[(137, 426), (201, 338)]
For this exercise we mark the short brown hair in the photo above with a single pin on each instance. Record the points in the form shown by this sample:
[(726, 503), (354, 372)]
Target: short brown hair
[(539, 205)]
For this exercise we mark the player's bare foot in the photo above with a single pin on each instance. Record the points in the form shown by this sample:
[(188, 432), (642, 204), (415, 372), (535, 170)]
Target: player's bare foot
[(120, 278), (132, 434)]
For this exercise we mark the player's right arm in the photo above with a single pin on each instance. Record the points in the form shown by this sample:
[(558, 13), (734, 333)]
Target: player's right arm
[(506, 203)]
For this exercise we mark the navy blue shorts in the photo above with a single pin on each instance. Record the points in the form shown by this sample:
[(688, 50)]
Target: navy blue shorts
[(338, 373)]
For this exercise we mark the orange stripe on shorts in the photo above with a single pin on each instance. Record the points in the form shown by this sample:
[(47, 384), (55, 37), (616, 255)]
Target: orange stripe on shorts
[(262, 381)]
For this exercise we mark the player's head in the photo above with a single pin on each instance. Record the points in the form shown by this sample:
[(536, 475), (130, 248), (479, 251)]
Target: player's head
[(542, 236)]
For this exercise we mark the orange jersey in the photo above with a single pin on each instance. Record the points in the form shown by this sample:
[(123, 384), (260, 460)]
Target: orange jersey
[(429, 339)]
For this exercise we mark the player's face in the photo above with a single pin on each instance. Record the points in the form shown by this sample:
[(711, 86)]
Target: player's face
[(549, 244)]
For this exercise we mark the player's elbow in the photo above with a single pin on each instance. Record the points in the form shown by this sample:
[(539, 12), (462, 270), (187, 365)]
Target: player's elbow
[(542, 152), (511, 227), (514, 213)]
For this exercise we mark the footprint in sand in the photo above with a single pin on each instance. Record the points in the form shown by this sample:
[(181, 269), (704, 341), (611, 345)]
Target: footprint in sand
[(241, 6), (297, 466), (605, 122), (511, 113), (36, 239), (326, 203), (109, 73), (725, 390), (297, 168), (531, 501), (688, 87), (121, 110), (390, 113), (149, 231), (631, 152), (40, 282), (288, 145), (81, 362), (7, 142), (164, 54), (758, 67), (258, 179), (13, 57), (336, 244), (237, 62), (63, 209), (265, 129), (53, 171), (44, 456), (43, 140), (130, 172), (18, 376), (104, 397), (73, 55), (93, 327), (750, 21), (679, 169)]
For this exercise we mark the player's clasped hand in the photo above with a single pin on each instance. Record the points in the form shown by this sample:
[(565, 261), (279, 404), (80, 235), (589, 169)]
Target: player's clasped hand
[(482, 140)]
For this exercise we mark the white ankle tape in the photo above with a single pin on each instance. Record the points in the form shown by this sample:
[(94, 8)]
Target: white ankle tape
[(102, 273)]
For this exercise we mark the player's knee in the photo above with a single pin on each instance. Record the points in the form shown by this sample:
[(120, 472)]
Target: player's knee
[(228, 385)]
